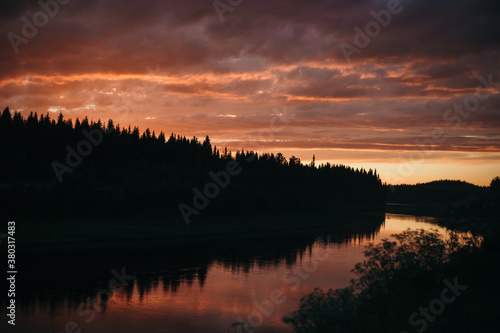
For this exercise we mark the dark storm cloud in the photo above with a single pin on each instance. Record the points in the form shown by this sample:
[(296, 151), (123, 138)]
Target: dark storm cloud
[(189, 33)]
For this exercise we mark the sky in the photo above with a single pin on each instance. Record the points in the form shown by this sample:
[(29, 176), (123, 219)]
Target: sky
[(409, 88)]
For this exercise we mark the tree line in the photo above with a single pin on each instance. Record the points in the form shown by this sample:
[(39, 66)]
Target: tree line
[(64, 168), (447, 198)]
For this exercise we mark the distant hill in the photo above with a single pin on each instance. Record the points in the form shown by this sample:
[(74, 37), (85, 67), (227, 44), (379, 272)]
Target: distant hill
[(443, 198), (432, 192)]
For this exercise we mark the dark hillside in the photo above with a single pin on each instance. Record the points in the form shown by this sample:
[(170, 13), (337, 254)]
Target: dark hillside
[(448, 198)]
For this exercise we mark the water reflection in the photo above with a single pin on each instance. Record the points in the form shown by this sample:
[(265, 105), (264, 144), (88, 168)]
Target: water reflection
[(196, 288)]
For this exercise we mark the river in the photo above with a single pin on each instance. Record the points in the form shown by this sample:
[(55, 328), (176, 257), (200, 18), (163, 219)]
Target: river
[(202, 288)]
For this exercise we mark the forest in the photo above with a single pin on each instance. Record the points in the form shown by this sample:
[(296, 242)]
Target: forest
[(445, 198), (60, 168)]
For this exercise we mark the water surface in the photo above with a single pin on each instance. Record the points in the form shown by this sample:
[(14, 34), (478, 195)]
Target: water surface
[(197, 288)]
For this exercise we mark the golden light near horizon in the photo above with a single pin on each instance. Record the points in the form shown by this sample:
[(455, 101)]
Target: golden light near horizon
[(178, 68)]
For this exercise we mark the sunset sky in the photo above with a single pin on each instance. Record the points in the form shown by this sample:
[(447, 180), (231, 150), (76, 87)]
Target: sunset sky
[(273, 76)]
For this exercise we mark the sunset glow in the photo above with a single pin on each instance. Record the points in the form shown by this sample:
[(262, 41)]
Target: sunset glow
[(420, 102)]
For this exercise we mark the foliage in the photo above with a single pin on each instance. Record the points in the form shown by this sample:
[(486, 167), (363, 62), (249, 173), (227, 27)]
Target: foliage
[(396, 278)]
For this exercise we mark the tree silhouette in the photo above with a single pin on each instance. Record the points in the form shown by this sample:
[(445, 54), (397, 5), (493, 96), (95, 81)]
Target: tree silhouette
[(127, 172)]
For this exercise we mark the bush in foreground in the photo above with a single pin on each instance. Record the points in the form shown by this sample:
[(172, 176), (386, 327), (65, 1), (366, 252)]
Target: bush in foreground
[(400, 277)]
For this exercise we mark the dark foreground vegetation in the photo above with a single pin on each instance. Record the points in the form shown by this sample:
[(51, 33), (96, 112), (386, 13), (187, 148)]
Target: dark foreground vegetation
[(414, 283), (400, 287), (57, 168)]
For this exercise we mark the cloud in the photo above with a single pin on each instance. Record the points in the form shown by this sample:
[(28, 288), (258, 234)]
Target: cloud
[(175, 66)]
